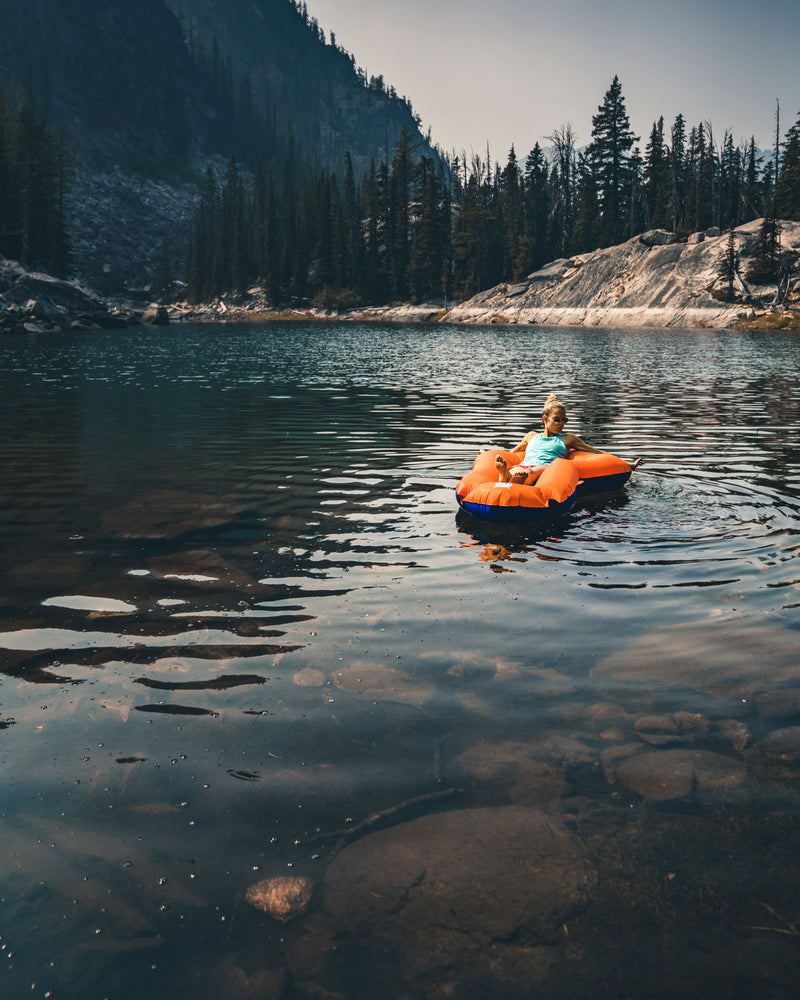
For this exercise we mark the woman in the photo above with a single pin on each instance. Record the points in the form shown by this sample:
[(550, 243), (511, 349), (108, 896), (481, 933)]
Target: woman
[(541, 448)]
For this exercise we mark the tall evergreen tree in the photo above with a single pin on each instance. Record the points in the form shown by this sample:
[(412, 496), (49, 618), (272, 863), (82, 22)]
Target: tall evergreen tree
[(656, 187), (586, 231), (612, 140), (726, 267), (536, 250), (787, 191), (676, 212)]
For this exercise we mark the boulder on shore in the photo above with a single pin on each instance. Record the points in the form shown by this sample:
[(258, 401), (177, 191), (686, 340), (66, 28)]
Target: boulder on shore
[(33, 302), (155, 315)]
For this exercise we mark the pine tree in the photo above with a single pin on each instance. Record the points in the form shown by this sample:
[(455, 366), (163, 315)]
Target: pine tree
[(730, 183), (537, 207), (399, 241), (612, 140), (511, 208), (764, 267), (751, 189), (787, 191), (726, 267), (586, 231), (656, 189), (676, 212)]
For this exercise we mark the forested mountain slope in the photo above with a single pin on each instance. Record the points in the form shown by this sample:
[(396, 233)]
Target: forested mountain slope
[(148, 93)]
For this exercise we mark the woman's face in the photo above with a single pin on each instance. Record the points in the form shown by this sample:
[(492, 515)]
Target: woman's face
[(554, 421)]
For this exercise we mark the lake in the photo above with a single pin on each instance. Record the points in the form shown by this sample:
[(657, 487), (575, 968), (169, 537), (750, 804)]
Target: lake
[(276, 721)]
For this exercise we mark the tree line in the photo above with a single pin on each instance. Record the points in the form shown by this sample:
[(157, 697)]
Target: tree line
[(418, 227), (33, 189)]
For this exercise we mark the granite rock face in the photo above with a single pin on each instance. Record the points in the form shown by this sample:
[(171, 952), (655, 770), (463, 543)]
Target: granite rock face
[(653, 280)]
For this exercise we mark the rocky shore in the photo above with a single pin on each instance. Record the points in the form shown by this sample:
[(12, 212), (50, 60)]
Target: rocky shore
[(656, 279), (32, 302)]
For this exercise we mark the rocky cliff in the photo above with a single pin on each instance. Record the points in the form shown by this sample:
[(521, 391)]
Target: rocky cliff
[(653, 280)]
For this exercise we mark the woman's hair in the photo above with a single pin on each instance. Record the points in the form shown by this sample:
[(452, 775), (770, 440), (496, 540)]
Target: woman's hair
[(551, 404)]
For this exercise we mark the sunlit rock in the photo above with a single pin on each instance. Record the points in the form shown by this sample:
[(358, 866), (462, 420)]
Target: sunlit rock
[(155, 315), (652, 280), (440, 886), (283, 897)]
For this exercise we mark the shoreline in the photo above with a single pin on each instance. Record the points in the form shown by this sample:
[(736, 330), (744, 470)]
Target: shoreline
[(657, 280)]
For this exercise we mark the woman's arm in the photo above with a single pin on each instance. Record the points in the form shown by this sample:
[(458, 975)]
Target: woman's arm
[(573, 441)]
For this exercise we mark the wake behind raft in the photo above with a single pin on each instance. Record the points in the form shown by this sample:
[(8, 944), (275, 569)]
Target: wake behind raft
[(555, 491)]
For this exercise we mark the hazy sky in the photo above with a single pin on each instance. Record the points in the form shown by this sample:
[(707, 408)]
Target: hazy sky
[(513, 71)]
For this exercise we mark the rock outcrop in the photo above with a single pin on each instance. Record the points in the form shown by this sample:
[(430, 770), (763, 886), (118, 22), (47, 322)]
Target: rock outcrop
[(31, 302), (653, 280)]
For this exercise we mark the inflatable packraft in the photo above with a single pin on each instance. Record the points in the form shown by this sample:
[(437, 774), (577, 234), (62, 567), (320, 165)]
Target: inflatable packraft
[(553, 493)]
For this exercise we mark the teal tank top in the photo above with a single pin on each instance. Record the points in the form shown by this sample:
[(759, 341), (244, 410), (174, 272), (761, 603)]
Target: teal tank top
[(542, 450)]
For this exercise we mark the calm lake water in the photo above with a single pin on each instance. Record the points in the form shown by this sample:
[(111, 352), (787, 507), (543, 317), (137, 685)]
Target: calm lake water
[(244, 634)]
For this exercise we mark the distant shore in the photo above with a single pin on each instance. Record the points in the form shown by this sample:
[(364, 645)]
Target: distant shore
[(655, 280)]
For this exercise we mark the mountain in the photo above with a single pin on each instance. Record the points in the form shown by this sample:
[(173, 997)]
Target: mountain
[(150, 93)]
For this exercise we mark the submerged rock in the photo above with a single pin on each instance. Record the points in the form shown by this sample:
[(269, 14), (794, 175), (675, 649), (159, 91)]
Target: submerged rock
[(674, 774), (530, 781), (380, 683), (283, 898), (728, 659), (438, 887), (679, 727), (167, 514)]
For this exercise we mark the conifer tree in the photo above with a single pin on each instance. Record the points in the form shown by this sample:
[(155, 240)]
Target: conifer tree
[(586, 231), (612, 140), (726, 267), (399, 236), (787, 190), (656, 178), (537, 207)]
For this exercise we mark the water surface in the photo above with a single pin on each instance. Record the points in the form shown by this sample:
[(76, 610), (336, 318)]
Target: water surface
[(244, 632)]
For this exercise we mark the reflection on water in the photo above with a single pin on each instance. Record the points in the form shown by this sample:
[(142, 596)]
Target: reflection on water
[(277, 721)]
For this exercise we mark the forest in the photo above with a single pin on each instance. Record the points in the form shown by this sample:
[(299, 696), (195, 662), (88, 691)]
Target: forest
[(416, 228), (416, 225), (33, 189)]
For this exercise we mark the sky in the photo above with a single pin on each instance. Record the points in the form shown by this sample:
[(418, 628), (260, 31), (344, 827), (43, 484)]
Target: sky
[(511, 72)]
